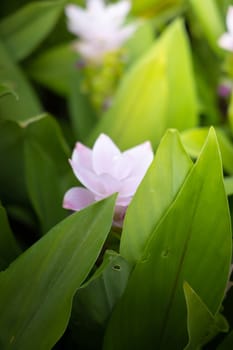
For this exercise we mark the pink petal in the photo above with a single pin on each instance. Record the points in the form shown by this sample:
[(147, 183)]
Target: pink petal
[(226, 41), (125, 33), (81, 157), (229, 19), (95, 6), (105, 152), (117, 12), (77, 19), (90, 51), (77, 198), (140, 158), (101, 185), (119, 216), (129, 187)]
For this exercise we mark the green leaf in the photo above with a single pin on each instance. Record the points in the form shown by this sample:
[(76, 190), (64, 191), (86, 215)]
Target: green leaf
[(145, 104), (174, 164), (209, 20), (23, 30), (94, 301), (6, 89), (9, 248), (82, 115), (202, 324), (183, 247), (47, 170), (12, 187), (193, 141), (140, 42), (27, 105), (152, 7), (54, 68), (228, 182), (46, 277)]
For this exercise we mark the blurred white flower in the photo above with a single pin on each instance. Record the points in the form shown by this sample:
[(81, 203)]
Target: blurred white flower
[(226, 40), (99, 27), (105, 170)]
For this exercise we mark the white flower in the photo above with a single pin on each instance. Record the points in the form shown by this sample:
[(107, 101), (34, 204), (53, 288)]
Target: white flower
[(226, 40), (106, 170), (99, 27)]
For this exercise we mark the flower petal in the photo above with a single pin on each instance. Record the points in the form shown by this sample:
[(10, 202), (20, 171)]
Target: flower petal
[(140, 158), (81, 157), (229, 20), (95, 6), (117, 12), (77, 19), (226, 41), (119, 216), (105, 153), (77, 198)]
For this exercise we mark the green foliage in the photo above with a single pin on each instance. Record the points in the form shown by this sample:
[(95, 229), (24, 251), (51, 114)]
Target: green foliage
[(47, 170), (202, 325), (163, 180), (54, 68), (9, 248), (94, 301), (211, 24), (22, 31), (146, 103), (153, 7), (27, 105), (193, 140), (46, 277), (172, 255), (74, 281)]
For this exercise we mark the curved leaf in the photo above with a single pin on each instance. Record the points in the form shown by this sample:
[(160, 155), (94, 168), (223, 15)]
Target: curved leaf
[(157, 191), (183, 247), (202, 324), (23, 30), (47, 170), (145, 104), (36, 291), (9, 249)]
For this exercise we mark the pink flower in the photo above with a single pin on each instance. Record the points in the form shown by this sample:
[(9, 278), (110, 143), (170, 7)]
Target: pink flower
[(105, 170), (226, 40), (100, 27)]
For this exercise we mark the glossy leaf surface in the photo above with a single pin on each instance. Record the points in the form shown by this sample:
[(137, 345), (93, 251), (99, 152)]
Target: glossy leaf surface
[(46, 277), (181, 248)]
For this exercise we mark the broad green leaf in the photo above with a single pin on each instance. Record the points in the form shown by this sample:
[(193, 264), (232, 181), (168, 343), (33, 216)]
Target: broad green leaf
[(6, 89), (157, 190), (194, 139), (36, 291), (209, 20), (23, 30), (145, 104), (94, 301), (82, 115), (228, 182), (9, 248), (153, 7), (183, 247), (47, 170), (54, 68), (202, 324), (27, 105), (12, 180), (140, 42)]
